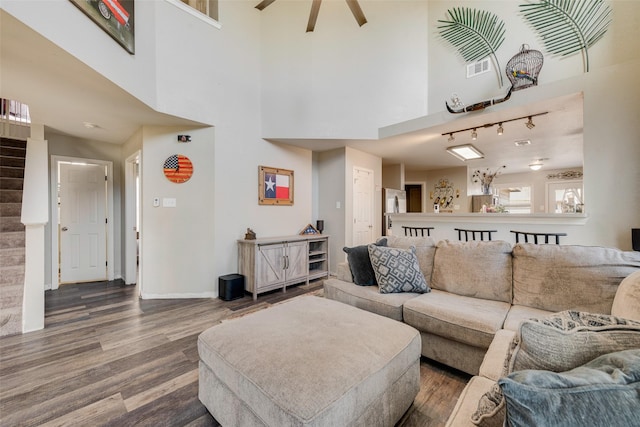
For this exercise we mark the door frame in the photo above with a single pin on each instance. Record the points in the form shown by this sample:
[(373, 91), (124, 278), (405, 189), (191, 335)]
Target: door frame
[(372, 202), (53, 198), (131, 200), (423, 191)]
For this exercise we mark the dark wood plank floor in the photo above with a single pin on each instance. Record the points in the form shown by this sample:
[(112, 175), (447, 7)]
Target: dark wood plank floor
[(107, 357)]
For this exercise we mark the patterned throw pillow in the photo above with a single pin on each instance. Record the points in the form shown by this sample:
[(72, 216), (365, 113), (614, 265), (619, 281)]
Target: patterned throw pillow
[(397, 270)]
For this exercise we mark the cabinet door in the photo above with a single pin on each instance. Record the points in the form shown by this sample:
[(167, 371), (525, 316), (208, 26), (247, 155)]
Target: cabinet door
[(297, 264), (270, 265)]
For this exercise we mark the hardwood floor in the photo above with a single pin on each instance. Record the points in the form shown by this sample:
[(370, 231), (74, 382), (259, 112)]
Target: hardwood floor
[(107, 357)]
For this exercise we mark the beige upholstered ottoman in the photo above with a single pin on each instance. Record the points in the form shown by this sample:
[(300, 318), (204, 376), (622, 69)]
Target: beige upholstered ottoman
[(309, 362)]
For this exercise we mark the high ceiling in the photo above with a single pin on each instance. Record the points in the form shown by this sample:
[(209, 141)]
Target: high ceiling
[(64, 93)]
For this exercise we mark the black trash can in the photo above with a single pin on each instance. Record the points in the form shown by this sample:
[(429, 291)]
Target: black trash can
[(230, 287)]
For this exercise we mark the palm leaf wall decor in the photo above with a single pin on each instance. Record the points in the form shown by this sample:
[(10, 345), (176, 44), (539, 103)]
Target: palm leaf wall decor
[(475, 33), (569, 26)]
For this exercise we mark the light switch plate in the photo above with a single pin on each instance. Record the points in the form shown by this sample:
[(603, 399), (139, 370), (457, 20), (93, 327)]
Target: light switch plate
[(168, 202)]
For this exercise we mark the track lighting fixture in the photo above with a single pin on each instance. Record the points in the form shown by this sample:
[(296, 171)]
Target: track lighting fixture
[(530, 124), (474, 129)]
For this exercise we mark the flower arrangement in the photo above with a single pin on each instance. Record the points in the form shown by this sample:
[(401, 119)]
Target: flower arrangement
[(485, 178)]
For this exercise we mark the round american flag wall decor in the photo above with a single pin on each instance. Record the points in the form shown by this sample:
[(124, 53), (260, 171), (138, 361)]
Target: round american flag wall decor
[(178, 168)]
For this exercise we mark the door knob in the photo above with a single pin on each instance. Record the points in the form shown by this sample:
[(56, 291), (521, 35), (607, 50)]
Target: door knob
[(64, 228)]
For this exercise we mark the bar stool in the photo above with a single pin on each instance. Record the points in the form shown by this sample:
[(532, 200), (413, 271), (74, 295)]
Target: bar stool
[(481, 233), (413, 231), (527, 234)]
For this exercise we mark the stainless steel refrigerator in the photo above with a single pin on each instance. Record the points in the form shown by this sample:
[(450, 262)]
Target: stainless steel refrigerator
[(393, 201)]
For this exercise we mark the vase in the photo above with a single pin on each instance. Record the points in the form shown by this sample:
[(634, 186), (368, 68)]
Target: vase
[(486, 189)]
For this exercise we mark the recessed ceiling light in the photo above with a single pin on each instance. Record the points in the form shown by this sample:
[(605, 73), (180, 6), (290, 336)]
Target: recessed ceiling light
[(522, 142), (535, 166), (465, 152)]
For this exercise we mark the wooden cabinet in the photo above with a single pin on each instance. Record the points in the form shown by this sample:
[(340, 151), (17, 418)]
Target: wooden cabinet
[(274, 263)]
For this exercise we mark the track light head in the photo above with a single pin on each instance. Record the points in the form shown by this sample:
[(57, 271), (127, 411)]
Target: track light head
[(474, 134), (530, 124), (451, 138), (500, 129)]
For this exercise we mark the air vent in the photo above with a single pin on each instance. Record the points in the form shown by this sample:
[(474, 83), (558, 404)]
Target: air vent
[(478, 68), (522, 142)]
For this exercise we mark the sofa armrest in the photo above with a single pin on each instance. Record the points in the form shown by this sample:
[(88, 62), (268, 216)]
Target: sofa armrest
[(344, 272), (626, 303), (496, 360)]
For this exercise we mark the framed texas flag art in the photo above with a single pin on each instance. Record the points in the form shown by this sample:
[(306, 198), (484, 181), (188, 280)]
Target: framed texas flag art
[(275, 186)]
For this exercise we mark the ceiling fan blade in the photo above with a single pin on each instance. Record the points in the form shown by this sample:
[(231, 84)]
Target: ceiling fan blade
[(357, 12), (313, 16), (264, 3)]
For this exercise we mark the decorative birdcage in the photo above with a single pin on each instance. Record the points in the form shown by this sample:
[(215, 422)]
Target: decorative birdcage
[(523, 69)]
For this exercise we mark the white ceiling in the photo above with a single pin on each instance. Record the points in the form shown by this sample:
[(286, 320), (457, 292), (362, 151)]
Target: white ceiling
[(63, 93)]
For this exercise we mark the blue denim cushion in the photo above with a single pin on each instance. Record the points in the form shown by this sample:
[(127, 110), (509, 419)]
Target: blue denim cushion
[(603, 392)]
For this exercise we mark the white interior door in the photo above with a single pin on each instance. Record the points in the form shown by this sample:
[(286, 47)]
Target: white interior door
[(82, 224), (362, 206)]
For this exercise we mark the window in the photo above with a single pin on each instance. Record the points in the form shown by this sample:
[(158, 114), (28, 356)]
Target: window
[(208, 7), (514, 198), (565, 197)]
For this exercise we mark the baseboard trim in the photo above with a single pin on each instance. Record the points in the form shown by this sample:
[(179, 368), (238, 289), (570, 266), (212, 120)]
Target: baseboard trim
[(179, 296)]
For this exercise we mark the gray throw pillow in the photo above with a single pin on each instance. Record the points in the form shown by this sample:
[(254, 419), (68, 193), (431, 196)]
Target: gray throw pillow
[(568, 339), (603, 392), (397, 270), (360, 264)]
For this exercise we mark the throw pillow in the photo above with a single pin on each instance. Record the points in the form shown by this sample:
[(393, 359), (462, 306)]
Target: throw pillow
[(603, 392), (397, 270), (360, 265), (568, 339)]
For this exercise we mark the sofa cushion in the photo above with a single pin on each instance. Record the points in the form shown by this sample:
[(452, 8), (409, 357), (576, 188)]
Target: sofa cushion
[(626, 303), (564, 277), (569, 339), (425, 249), (397, 270), (487, 269), (367, 298), (360, 264), (520, 313), (603, 392), (472, 321)]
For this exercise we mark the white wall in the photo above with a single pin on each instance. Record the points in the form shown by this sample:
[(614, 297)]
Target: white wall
[(342, 81), (331, 201), (447, 71)]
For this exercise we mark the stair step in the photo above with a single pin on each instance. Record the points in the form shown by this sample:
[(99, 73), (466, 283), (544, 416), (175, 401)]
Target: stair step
[(12, 151), (11, 183), (11, 172), (12, 239), (11, 257), (10, 196), (12, 161), (10, 209), (5, 142), (11, 223), (12, 275)]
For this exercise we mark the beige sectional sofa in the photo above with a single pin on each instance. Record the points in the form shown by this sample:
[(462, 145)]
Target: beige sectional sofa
[(482, 291)]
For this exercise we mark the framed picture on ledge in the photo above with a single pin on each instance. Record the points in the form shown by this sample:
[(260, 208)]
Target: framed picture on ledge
[(275, 186)]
